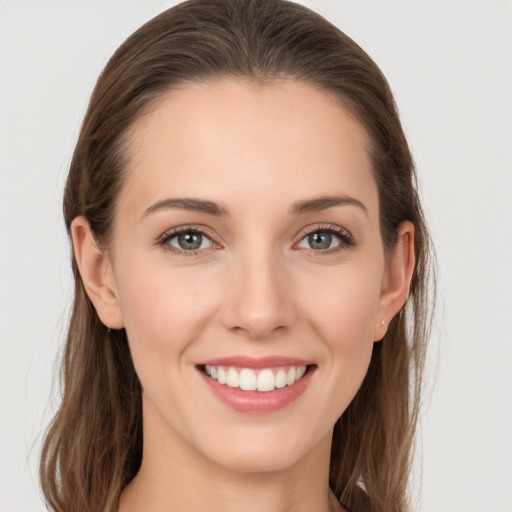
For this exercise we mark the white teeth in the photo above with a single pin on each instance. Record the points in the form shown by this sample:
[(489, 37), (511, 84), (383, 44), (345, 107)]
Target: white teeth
[(233, 379), (281, 378), (221, 375), (290, 376), (266, 381), (248, 379)]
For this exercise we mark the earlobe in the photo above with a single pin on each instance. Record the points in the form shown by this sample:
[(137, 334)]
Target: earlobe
[(97, 274), (396, 280)]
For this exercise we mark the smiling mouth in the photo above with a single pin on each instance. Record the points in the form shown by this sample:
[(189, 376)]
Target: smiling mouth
[(262, 380)]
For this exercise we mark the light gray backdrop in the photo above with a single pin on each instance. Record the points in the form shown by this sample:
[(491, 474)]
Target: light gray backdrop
[(449, 64)]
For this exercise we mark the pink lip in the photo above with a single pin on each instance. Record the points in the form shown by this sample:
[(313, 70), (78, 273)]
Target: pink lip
[(256, 362), (257, 402)]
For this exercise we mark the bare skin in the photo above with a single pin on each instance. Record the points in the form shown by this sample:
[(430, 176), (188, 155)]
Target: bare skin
[(279, 270)]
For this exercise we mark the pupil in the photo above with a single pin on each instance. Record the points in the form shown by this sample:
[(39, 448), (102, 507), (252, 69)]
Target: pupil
[(320, 240), (190, 241)]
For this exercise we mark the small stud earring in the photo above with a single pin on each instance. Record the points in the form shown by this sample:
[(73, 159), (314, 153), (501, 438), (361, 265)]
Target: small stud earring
[(383, 323)]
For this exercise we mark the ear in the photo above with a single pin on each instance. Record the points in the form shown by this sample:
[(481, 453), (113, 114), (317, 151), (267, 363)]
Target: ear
[(97, 274), (396, 279)]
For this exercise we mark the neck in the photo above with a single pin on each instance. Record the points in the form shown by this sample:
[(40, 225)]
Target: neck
[(175, 476)]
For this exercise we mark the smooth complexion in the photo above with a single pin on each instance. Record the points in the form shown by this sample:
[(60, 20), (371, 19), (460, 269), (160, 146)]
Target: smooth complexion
[(273, 184)]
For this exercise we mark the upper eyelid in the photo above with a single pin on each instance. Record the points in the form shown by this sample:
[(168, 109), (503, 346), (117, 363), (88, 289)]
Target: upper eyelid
[(203, 230), (172, 232), (304, 231), (324, 227)]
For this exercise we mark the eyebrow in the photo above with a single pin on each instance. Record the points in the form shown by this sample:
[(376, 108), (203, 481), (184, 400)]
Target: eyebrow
[(324, 202), (315, 204), (191, 204)]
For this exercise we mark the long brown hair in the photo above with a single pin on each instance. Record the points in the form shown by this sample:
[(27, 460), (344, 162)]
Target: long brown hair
[(93, 447)]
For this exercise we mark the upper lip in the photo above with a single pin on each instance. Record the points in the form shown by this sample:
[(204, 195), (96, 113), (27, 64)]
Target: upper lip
[(256, 362)]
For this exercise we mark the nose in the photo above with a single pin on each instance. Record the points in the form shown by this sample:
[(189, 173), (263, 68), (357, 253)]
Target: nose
[(258, 302)]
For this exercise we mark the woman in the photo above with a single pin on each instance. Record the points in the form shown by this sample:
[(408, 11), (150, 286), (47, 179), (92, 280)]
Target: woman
[(246, 237)]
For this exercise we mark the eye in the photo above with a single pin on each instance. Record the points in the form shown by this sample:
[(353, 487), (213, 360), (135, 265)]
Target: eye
[(189, 241), (324, 239), (186, 241)]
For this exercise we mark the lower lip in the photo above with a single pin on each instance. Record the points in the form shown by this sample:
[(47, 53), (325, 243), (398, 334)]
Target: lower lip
[(258, 402)]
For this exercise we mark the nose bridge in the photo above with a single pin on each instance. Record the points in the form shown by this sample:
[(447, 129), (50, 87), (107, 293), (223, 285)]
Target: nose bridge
[(260, 293)]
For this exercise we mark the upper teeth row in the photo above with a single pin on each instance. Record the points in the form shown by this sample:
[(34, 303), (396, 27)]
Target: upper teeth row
[(250, 380)]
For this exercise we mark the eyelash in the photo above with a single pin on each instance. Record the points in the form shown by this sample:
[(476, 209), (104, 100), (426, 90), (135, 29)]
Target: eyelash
[(163, 240), (346, 240)]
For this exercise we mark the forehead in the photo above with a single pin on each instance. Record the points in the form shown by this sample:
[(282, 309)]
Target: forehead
[(273, 142)]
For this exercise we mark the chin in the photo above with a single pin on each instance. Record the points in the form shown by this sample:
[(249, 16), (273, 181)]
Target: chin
[(255, 460), (265, 451)]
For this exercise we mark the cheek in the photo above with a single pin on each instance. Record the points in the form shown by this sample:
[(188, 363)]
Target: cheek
[(343, 312), (163, 313), (344, 307)]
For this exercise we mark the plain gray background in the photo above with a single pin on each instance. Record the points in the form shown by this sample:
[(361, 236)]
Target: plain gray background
[(449, 64)]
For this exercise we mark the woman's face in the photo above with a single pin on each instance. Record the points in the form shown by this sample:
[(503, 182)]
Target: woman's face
[(247, 246)]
